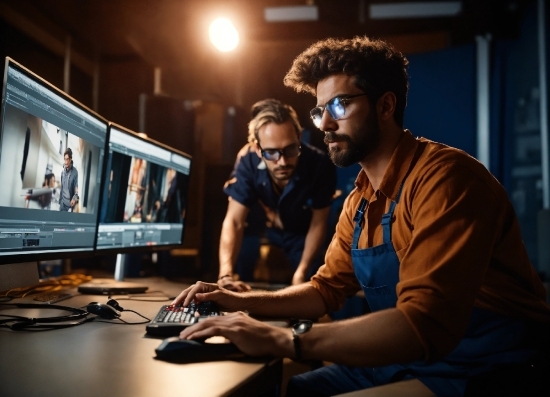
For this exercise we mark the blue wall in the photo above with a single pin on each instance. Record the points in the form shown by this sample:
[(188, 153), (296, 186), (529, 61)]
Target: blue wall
[(442, 97), (442, 107), (515, 121)]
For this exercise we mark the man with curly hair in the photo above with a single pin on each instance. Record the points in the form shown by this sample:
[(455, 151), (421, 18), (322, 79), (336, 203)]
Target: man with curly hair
[(428, 234)]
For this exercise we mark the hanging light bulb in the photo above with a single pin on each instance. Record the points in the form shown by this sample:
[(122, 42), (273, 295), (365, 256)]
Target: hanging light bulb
[(223, 35)]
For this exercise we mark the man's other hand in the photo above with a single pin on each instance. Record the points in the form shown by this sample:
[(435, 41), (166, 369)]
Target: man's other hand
[(229, 283), (299, 277)]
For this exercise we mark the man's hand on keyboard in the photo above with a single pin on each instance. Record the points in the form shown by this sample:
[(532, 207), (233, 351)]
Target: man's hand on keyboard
[(200, 291), (251, 336)]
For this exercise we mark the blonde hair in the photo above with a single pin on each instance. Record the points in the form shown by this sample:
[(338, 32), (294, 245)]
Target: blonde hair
[(271, 111)]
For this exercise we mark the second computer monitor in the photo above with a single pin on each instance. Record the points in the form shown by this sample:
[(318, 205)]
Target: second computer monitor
[(144, 194)]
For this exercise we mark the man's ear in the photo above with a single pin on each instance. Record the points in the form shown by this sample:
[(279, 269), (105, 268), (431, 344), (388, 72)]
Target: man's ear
[(385, 106)]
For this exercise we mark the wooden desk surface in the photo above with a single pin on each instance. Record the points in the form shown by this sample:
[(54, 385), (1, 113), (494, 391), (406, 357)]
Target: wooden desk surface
[(103, 359)]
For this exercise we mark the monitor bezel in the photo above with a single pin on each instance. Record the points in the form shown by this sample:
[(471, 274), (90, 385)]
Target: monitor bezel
[(146, 248), (77, 253)]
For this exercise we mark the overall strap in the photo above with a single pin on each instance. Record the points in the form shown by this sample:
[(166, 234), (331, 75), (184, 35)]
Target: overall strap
[(358, 218), (386, 218)]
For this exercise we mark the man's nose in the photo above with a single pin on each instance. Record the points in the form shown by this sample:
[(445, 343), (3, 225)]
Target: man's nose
[(327, 122), (282, 160)]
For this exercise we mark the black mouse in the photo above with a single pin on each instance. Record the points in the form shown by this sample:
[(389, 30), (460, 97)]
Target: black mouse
[(102, 310), (185, 350)]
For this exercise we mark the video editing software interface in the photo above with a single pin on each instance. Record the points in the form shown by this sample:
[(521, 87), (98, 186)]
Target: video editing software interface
[(48, 204), (144, 193)]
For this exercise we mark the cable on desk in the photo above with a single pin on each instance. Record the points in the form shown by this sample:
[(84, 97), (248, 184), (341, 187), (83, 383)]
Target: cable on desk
[(49, 285), (123, 321), (113, 313), (21, 323)]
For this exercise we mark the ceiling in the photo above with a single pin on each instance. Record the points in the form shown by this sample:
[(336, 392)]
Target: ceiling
[(169, 33)]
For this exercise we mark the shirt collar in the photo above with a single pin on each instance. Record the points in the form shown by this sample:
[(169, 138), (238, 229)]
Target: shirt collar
[(397, 169)]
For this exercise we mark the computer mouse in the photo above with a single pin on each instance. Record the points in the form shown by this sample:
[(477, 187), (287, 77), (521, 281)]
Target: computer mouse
[(102, 310), (186, 350)]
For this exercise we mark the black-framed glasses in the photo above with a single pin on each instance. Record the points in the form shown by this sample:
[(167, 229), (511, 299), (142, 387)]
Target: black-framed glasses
[(336, 108), (288, 152)]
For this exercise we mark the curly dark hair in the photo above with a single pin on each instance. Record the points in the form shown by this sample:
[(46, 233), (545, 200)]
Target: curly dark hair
[(376, 66)]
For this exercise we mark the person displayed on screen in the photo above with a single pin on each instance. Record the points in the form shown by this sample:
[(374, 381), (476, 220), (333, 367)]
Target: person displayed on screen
[(171, 206), (428, 234), (49, 182), (294, 184), (68, 197)]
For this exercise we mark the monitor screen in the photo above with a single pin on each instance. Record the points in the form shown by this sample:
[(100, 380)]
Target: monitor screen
[(144, 194), (51, 159)]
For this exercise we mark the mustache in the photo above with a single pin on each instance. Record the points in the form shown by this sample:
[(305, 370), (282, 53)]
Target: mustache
[(331, 137)]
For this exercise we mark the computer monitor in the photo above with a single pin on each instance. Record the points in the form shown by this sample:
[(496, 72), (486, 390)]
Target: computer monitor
[(143, 201), (51, 163)]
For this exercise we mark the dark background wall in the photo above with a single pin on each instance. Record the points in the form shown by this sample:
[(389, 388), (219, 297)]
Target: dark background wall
[(201, 98)]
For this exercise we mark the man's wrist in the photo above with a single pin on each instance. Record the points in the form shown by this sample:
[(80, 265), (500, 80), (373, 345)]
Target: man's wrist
[(297, 347), (229, 276), (301, 327)]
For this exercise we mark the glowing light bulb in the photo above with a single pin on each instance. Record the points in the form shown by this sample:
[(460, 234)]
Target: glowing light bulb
[(223, 35)]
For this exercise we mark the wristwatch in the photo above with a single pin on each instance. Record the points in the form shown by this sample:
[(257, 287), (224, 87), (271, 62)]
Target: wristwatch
[(301, 327)]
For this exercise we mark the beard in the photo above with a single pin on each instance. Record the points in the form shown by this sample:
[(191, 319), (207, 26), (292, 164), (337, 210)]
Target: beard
[(359, 145), (274, 172)]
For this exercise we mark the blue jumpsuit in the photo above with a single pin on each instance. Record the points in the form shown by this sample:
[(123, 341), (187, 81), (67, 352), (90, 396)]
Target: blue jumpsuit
[(312, 186)]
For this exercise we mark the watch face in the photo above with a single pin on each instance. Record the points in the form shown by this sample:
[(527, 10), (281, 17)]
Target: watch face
[(302, 326)]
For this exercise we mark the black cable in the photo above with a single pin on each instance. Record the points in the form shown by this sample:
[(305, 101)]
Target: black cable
[(116, 306), (12, 317), (123, 321), (141, 315), (20, 323)]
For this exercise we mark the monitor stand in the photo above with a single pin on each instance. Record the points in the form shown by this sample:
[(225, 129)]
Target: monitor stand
[(117, 286), (17, 275)]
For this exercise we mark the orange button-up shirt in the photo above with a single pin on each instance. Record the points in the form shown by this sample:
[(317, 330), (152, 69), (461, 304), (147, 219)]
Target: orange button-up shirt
[(457, 238)]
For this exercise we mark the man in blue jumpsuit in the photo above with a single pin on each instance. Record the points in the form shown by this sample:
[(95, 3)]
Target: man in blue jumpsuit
[(292, 181)]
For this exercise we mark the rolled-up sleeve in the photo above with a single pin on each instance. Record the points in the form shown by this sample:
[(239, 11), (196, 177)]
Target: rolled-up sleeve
[(453, 215)]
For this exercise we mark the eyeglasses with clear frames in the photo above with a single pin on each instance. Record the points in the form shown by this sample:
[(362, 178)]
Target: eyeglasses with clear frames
[(336, 108), (288, 152)]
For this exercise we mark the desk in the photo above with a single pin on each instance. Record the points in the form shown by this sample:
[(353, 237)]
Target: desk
[(101, 359)]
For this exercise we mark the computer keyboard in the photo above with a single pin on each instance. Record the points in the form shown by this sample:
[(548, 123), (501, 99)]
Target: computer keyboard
[(171, 320)]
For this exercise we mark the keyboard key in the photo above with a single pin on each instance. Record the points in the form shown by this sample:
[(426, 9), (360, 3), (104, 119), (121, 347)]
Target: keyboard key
[(171, 320)]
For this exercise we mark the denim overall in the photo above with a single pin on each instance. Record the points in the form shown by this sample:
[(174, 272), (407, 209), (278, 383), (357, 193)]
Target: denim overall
[(376, 268), (490, 338)]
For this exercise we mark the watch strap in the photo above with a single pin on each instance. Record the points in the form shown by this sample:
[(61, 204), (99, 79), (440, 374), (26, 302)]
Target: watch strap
[(297, 346), (300, 327)]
